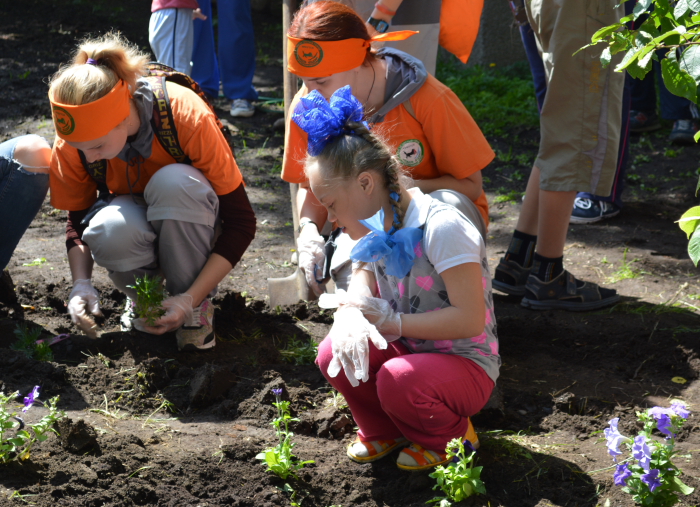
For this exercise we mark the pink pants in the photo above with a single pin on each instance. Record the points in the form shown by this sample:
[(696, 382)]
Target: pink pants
[(424, 397)]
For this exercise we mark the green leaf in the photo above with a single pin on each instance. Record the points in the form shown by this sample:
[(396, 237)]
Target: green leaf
[(690, 62), (604, 32), (605, 57), (694, 247), (641, 8), (678, 81), (690, 220), (694, 5), (678, 485), (681, 8)]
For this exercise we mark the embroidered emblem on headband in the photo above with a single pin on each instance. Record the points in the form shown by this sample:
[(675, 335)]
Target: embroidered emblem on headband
[(63, 120), (308, 53), (410, 152)]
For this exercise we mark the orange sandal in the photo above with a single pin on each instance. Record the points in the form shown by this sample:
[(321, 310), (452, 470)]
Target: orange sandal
[(414, 457), (365, 452)]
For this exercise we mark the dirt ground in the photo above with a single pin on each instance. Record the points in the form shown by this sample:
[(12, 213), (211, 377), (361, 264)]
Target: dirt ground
[(564, 375)]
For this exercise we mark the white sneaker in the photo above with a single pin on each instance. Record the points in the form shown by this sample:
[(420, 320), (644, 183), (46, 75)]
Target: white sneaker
[(198, 333), (125, 321), (241, 108)]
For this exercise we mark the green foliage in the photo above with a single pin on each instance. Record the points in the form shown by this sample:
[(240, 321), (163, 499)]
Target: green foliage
[(18, 437), (280, 459), (626, 271), (460, 479), (35, 262), (149, 297), (498, 99), (671, 35), (299, 352), (26, 342)]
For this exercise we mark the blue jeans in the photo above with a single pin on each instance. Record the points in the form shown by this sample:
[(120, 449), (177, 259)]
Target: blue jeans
[(540, 81), (235, 65), (21, 195)]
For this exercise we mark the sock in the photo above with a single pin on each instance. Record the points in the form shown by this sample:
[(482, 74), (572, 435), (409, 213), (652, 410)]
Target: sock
[(547, 269), (521, 248)]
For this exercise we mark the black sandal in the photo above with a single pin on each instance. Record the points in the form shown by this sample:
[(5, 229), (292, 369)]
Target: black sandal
[(565, 292), (510, 271)]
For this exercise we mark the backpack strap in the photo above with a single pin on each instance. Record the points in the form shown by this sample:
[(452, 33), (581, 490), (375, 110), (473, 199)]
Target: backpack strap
[(163, 122), (97, 171)]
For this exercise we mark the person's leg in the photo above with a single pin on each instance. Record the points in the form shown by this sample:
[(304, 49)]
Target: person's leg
[(171, 35), (24, 181), (205, 66), (182, 209), (372, 421), (539, 79), (429, 397), (237, 49)]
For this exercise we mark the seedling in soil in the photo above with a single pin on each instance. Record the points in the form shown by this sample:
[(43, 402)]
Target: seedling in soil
[(648, 474), (149, 297), (16, 436), (26, 342), (280, 459), (460, 479), (299, 352), (625, 271)]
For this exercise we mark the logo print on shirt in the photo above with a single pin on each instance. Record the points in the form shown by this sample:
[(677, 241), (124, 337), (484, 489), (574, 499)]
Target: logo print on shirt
[(63, 120), (308, 53), (410, 152)]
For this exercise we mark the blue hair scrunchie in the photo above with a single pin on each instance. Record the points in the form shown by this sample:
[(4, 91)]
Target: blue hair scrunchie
[(396, 246), (323, 120)]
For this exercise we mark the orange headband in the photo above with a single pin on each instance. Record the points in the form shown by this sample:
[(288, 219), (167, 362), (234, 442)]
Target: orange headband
[(94, 119), (321, 58)]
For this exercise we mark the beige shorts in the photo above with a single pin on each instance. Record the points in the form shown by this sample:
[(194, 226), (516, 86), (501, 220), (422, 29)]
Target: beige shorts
[(581, 115)]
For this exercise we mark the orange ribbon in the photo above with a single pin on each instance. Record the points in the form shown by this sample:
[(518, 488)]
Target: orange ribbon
[(322, 58), (94, 119)]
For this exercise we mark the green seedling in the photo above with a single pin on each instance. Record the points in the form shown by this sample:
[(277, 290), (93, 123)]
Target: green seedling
[(36, 262), (17, 436), (26, 342), (280, 459), (460, 479), (149, 297), (625, 271), (299, 352)]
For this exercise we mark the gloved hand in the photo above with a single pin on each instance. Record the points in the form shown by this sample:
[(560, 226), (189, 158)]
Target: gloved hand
[(178, 311), (350, 337), (311, 259), (84, 297), (377, 311)]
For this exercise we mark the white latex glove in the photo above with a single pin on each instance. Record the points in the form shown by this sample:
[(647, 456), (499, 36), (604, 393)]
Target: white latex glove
[(377, 311), (350, 337), (311, 259), (178, 311), (84, 298)]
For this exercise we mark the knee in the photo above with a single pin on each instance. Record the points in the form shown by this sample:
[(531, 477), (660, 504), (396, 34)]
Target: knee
[(114, 235), (33, 153), (389, 388), (324, 355)]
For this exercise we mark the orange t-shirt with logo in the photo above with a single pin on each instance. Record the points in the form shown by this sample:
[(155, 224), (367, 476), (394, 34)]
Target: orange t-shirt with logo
[(442, 139), (73, 189)]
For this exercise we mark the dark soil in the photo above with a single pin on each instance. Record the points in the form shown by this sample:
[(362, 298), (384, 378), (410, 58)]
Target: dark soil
[(150, 426)]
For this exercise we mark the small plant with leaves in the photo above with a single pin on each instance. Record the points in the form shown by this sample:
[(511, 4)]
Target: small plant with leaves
[(27, 338), (648, 473), (460, 479), (16, 436), (279, 459), (149, 297), (299, 352)]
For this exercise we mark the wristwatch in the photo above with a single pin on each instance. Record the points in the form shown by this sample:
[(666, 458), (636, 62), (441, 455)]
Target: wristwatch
[(304, 223), (379, 24)]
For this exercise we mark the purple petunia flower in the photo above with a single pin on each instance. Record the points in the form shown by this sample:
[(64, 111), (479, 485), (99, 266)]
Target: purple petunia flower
[(658, 412), (30, 399), (664, 425), (679, 408), (641, 452), (277, 392), (652, 479), (621, 475), (614, 438)]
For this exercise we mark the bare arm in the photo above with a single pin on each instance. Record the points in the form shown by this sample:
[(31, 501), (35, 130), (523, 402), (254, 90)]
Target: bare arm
[(469, 186), (464, 319), (80, 262), (215, 269), (309, 208)]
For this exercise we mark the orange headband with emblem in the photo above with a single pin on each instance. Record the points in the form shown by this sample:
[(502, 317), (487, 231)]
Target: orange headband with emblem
[(94, 119), (322, 58)]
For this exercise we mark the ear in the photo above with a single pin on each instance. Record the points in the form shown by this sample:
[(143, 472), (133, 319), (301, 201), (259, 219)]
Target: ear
[(367, 182)]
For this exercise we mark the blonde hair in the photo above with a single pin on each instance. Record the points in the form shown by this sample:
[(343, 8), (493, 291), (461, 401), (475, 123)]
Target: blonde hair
[(116, 58), (348, 155)]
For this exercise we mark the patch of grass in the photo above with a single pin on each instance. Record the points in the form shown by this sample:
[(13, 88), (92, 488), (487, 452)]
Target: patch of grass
[(641, 159), (498, 99), (625, 271), (647, 309), (299, 352), (507, 196)]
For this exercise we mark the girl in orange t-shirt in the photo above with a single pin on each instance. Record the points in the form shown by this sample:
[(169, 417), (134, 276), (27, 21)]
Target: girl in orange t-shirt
[(422, 121), (153, 216)]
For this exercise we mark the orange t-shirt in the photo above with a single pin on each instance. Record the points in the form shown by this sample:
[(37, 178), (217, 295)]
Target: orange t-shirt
[(442, 139), (73, 189)]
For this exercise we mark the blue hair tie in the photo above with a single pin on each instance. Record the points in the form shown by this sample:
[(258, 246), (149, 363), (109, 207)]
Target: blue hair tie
[(323, 120)]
